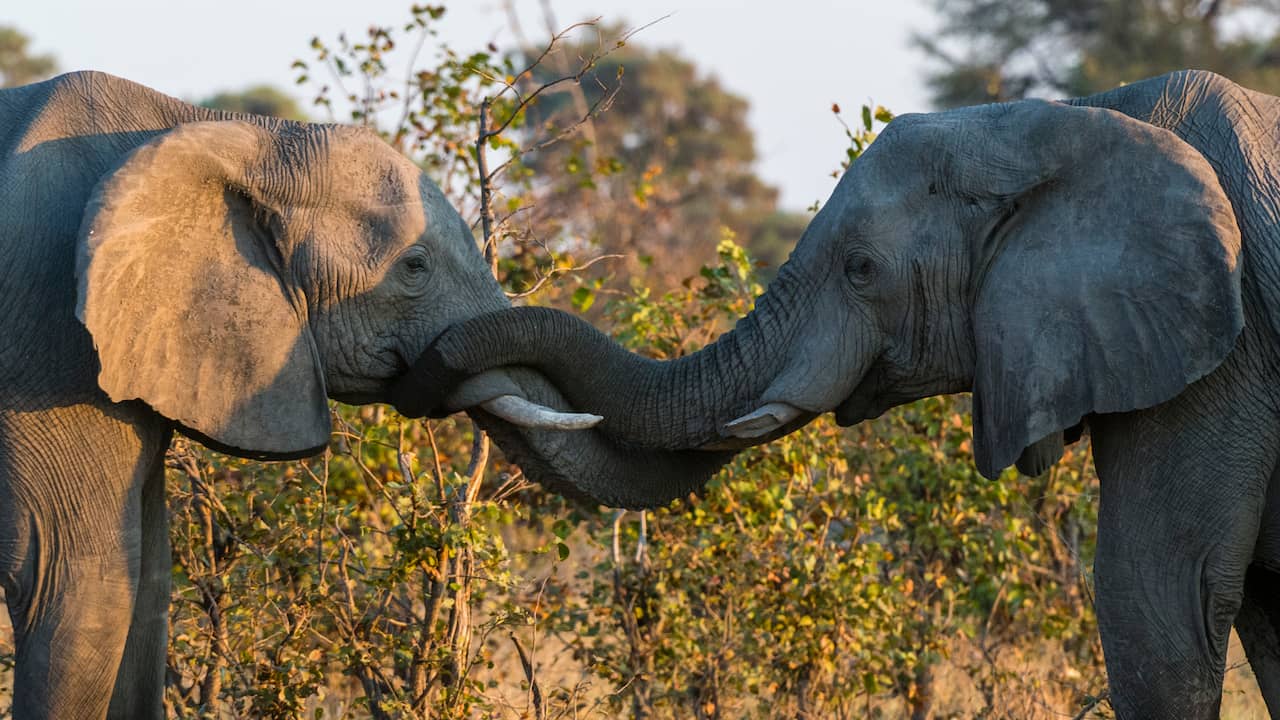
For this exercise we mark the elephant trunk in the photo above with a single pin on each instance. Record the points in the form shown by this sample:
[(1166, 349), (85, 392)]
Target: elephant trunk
[(587, 464), (647, 404)]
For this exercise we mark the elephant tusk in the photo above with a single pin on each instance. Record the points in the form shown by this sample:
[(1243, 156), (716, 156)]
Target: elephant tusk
[(518, 411), (763, 420)]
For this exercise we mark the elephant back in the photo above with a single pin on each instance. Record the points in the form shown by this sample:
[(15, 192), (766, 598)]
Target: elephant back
[(1237, 130)]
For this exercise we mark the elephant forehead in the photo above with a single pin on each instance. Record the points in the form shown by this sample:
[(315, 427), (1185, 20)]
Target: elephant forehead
[(369, 226), (913, 142), (375, 189), (359, 168), (340, 255), (877, 202), (376, 205)]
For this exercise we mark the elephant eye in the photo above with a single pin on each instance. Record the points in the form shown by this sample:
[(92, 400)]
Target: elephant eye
[(414, 262), (414, 271), (860, 269)]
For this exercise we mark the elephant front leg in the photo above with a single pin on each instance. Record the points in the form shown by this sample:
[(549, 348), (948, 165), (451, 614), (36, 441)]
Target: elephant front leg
[(71, 553), (139, 689), (1178, 519), (70, 627)]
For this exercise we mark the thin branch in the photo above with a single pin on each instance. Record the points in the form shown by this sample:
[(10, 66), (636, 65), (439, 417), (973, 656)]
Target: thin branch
[(1095, 701), (486, 189), (556, 38), (523, 101), (642, 540), (556, 272), (435, 459), (539, 704), (601, 105), (479, 461), (406, 111)]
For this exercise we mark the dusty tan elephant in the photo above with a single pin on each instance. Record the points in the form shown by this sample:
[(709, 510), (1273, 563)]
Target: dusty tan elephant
[(168, 267)]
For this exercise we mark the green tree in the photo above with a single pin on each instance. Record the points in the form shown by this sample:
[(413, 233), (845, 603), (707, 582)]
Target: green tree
[(661, 172), (258, 100), (18, 65), (997, 50)]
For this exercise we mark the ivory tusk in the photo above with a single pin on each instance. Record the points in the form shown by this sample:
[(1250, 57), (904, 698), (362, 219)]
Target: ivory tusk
[(518, 411), (763, 420)]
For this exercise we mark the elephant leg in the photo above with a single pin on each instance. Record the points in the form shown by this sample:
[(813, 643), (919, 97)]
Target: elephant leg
[(1181, 500), (1258, 624), (71, 533), (139, 690), (70, 635)]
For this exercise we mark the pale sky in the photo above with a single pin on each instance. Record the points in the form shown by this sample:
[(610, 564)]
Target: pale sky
[(791, 59)]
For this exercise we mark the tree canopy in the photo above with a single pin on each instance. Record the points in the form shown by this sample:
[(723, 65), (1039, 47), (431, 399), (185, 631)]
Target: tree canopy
[(662, 172), (998, 50), (258, 100), (18, 64)]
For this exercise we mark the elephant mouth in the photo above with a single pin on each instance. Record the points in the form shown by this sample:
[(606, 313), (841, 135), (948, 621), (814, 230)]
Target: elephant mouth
[(374, 388), (855, 410), (866, 402)]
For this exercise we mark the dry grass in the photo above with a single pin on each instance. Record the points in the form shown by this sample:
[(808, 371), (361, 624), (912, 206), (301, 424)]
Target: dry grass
[(1035, 682)]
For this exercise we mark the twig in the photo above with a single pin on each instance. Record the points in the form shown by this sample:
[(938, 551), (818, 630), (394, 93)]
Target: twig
[(406, 111), (435, 458), (523, 101), (539, 705), (642, 540), (479, 461), (579, 97), (486, 189), (556, 272), (601, 105), (617, 544), (1095, 701)]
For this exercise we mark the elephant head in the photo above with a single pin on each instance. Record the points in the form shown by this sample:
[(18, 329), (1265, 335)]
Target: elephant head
[(233, 274), (1058, 261)]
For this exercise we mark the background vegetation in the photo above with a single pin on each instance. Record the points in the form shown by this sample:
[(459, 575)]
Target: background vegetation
[(997, 50), (411, 572)]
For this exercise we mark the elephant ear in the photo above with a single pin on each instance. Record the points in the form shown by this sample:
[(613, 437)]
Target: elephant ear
[(182, 283), (1112, 283)]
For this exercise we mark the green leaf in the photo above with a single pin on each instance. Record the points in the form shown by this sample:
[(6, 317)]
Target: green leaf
[(583, 298)]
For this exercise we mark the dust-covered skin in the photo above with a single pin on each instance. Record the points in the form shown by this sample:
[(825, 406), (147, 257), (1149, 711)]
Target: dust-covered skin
[(1110, 263), (168, 267)]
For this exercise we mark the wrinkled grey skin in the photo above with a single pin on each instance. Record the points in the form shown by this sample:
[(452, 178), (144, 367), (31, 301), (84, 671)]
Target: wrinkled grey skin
[(165, 267), (1111, 263)]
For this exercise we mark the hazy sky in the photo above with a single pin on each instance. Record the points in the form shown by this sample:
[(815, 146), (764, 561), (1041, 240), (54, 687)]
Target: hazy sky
[(791, 59)]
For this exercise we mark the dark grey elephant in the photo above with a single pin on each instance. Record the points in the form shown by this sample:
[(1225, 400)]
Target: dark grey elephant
[(165, 267), (1109, 263)]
